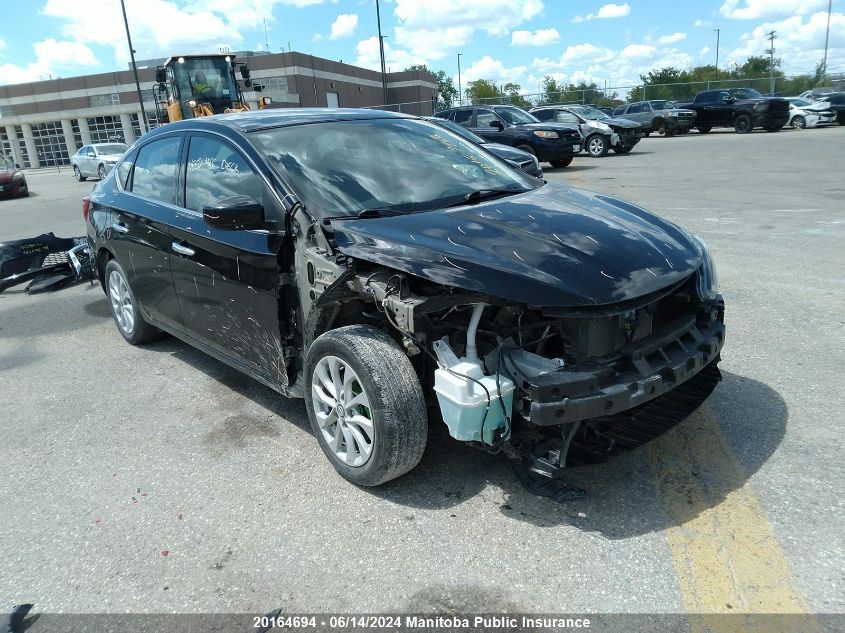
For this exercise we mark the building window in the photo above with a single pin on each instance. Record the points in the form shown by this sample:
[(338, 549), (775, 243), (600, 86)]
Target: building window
[(6, 144), (22, 147), (152, 121), (50, 144), (274, 85), (77, 134), (98, 101), (106, 129)]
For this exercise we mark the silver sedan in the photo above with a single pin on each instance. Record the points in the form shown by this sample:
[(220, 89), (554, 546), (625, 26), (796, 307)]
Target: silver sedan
[(96, 160)]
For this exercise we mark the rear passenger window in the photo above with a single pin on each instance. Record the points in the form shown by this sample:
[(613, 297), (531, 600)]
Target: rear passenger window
[(544, 115), (463, 117), (216, 170), (155, 169)]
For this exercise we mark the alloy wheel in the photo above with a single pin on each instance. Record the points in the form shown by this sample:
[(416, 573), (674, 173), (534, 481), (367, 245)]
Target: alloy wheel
[(77, 174), (101, 172), (121, 302), (343, 411), (596, 147), (799, 123)]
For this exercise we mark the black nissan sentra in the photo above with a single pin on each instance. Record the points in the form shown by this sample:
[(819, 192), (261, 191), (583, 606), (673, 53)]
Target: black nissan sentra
[(393, 275)]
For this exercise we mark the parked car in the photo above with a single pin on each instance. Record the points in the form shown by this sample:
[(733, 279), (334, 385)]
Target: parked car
[(804, 113), (658, 115), (837, 104), (12, 179), (549, 142), (371, 264), (599, 131), (516, 157), (740, 108), (96, 160)]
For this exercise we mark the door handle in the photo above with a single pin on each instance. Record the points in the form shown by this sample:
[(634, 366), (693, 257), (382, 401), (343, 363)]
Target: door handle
[(182, 250), (120, 227)]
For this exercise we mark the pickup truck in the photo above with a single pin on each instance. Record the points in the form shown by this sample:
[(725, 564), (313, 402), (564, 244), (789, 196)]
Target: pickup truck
[(657, 116), (740, 108)]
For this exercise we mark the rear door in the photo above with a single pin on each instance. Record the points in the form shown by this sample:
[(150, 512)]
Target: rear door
[(88, 159), (227, 282), (139, 231)]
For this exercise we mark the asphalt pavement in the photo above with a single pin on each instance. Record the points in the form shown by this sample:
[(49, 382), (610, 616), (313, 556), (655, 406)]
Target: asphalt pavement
[(156, 479)]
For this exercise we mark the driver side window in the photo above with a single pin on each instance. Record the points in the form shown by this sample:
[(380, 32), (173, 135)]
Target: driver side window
[(215, 171), (565, 117), (484, 118)]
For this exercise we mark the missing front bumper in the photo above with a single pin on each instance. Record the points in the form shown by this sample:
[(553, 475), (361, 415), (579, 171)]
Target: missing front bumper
[(646, 370)]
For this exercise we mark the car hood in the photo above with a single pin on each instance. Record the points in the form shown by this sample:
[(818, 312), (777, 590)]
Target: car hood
[(507, 152), (617, 122), (6, 175), (110, 157), (552, 246)]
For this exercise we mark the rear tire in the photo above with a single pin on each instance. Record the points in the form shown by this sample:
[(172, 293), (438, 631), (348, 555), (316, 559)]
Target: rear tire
[(358, 364), (78, 174), (125, 309), (743, 124), (597, 146), (561, 162)]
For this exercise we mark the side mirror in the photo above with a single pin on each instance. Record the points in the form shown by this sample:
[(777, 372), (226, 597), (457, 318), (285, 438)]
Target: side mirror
[(244, 71), (161, 75), (495, 123), (236, 213)]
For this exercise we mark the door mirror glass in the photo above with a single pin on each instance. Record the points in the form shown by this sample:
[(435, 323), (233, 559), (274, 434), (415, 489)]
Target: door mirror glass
[(496, 124), (161, 75), (235, 213)]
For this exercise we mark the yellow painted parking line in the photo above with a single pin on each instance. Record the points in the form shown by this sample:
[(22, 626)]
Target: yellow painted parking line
[(724, 550)]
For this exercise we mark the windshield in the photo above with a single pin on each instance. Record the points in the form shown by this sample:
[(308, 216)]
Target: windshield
[(589, 112), (661, 105), (342, 168), (205, 79), (457, 128), (515, 116), (745, 93), (113, 148), (5, 163)]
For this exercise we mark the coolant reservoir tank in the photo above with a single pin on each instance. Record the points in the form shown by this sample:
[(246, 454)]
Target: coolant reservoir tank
[(464, 404)]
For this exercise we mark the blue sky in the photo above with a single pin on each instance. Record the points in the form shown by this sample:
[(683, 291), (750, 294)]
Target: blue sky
[(501, 40)]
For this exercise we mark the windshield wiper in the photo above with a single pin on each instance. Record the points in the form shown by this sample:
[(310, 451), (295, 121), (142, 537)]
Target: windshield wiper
[(485, 194), (380, 212)]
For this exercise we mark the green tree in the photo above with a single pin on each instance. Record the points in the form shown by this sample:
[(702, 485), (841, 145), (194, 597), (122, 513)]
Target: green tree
[(482, 91), (446, 91), (550, 91), (511, 96)]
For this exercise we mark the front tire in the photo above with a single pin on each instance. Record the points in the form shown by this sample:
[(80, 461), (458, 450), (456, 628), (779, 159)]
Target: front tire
[(125, 309), (527, 148), (560, 163), (101, 172), (78, 174), (365, 404), (597, 146), (799, 122), (743, 124)]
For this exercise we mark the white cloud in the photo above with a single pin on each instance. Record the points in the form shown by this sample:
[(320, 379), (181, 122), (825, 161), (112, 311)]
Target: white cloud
[(756, 9), (344, 25), (433, 43), (606, 11), (673, 38), (704, 51), (51, 58), (395, 59), (2, 44), (635, 51), (800, 42), (540, 37), (493, 70), (496, 17)]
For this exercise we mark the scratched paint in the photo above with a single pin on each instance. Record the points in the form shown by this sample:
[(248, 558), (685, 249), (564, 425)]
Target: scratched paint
[(724, 550)]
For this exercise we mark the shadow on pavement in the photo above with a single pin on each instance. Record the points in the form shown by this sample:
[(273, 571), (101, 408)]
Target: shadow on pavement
[(52, 312)]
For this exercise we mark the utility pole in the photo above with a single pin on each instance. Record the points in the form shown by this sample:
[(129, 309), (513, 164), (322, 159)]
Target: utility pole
[(460, 94), (144, 125), (718, 34), (266, 43), (381, 52), (826, 39), (771, 35)]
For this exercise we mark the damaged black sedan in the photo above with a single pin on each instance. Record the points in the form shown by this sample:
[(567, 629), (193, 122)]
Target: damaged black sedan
[(387, 270)]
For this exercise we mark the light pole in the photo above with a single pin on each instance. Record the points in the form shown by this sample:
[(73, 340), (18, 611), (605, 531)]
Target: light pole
[(718, 34), (144, 125), (460, 94), (381, 52), (826, 39)]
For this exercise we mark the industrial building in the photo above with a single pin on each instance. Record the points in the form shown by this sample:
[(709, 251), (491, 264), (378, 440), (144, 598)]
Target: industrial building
[(43, 123)]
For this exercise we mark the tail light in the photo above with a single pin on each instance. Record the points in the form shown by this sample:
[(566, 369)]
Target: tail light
[(86, 207)]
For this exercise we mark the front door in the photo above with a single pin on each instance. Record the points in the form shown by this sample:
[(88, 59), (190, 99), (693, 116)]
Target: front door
[(227, 282), (485, 119)]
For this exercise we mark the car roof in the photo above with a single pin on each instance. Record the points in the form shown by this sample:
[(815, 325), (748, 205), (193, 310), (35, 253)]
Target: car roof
[(282, 117)]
